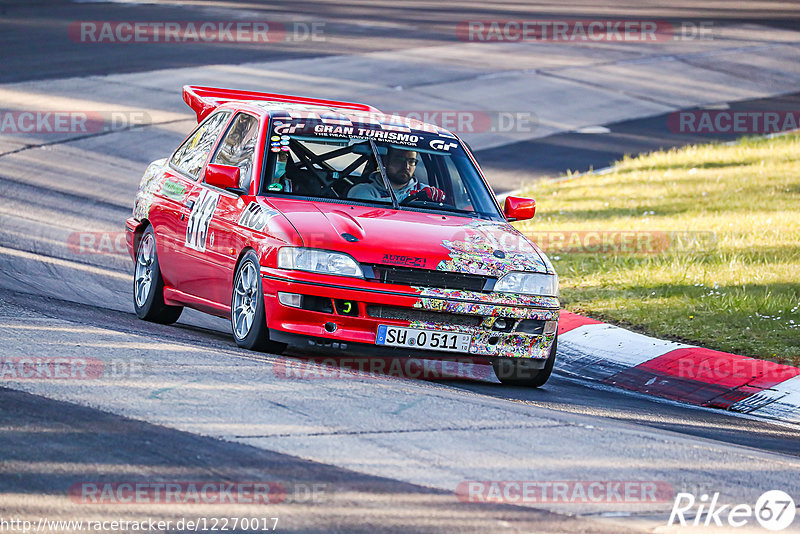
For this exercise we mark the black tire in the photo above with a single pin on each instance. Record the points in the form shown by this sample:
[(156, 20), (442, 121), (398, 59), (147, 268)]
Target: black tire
[(515, 372), (148, 284), (247, 297)]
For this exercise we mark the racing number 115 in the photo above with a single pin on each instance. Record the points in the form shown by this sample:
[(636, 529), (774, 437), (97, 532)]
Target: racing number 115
[(200, 219)]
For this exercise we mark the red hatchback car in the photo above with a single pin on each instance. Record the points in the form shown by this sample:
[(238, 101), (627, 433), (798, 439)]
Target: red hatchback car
[(330, 224)]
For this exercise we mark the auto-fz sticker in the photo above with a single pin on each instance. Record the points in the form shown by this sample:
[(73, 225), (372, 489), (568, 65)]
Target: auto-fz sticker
[(409, 261), (200, 219)]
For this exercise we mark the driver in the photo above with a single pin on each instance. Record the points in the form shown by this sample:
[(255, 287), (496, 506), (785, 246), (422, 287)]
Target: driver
[(280, 182), (400, 167)]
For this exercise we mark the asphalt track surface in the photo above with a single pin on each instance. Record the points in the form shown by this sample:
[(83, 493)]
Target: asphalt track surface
[(385, 451)]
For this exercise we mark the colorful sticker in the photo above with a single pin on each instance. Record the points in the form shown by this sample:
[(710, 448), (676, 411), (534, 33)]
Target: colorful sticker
[(491, 249), (147, 188), (491, 306), (473, 300), (488, 342)]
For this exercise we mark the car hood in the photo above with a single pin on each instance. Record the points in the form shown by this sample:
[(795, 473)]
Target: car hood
[(414, 239)]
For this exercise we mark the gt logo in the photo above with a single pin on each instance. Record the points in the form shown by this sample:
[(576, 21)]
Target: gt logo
[(286, 128), (438, 144)]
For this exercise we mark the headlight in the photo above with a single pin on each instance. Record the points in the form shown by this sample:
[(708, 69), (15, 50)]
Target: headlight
[(528, 284), (318, 261)]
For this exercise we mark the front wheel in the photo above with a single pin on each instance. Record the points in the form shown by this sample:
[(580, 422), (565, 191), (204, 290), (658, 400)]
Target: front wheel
[(148, 284), (248, 317), (518, 372)]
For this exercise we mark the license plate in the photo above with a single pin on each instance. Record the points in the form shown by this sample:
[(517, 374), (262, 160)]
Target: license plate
[(416, 338)]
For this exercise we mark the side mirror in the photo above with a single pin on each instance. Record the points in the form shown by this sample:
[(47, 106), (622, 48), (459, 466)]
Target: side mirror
[(223, 176), (519, 208)]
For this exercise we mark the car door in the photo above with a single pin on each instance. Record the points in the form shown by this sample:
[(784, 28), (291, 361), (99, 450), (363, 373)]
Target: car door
[(211, 239), (185, 168)]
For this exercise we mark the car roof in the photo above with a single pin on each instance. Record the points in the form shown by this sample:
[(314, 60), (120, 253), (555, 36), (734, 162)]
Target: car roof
[(348, 117), (203, 100)]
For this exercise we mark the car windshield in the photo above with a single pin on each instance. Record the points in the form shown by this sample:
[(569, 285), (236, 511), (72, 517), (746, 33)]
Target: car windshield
[(417, 172)]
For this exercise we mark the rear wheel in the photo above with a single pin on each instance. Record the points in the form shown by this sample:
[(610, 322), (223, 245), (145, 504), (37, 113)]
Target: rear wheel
[(148, 285), (248, 317), (518, 371)]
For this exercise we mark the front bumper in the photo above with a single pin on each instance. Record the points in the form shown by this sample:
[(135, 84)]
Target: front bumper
[(528, 331)]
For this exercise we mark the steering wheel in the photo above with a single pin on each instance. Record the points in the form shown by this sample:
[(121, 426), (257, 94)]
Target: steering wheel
[(419, 195), (325, 186), (422, 196)]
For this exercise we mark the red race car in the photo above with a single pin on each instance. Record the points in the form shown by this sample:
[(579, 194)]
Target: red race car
[(328, 223)]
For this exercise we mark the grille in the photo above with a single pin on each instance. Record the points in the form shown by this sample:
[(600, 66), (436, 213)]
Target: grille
[(406, 314), (531, 326), (427, 278)]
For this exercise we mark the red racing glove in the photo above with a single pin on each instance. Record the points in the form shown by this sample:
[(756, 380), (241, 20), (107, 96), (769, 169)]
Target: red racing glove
[(428, 193)]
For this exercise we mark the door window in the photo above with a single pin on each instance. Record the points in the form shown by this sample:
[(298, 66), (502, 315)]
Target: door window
[(238, 146)]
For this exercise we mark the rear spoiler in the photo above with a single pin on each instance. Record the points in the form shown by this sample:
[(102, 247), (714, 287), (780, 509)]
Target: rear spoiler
[(203, 100)]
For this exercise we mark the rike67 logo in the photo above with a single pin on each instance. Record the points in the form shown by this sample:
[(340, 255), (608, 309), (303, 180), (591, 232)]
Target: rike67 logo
[(774, 510)]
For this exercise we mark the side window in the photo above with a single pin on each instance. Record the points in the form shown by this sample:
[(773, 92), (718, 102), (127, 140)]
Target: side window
[(238, 146), (192, 154)]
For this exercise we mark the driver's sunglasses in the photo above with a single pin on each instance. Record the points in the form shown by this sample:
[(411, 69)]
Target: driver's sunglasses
[(406, 161)]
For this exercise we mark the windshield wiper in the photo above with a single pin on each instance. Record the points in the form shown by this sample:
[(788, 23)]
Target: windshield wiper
[(453, 211), (382, 170)]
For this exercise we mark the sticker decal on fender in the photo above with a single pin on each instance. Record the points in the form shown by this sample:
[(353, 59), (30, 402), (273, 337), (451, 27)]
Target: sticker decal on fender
[(255, 216), (200, 219), (172, 189)]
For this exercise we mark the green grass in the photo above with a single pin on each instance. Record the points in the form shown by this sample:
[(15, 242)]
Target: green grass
[(729, 279)]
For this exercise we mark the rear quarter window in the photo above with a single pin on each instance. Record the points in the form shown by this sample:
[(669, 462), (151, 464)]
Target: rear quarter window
[(192, 154)]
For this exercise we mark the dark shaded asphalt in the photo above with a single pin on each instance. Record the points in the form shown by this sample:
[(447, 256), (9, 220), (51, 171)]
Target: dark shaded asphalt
[(36, 43), (50, 450)]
